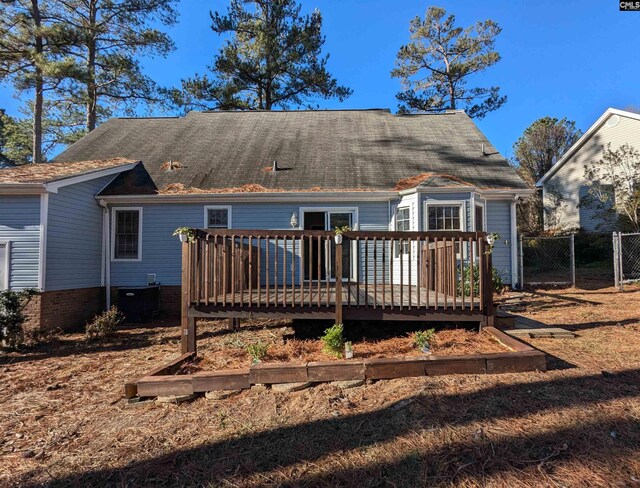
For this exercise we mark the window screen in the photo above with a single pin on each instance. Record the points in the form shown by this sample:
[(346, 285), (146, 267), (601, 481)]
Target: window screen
[(127, 234), (479, 217), (403, 224), (218, 218), (444, 217)]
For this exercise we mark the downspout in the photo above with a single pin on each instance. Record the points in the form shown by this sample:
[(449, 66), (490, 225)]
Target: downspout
[(514, 244), (106, 254)]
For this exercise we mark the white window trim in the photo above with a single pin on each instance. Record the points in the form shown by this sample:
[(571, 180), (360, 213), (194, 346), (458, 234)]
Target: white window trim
[(446, 203), (484, 217), (114, 210), (7, 258), (217, 207)]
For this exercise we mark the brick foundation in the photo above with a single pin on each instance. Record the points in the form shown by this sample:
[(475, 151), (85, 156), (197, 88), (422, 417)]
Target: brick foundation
[(169, 300), (63, 309)]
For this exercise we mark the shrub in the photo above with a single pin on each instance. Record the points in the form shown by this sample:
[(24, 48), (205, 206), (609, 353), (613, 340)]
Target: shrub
[(257, 351), (333, 340), (467, 280), (12, 303), (422, 338), (104, 324)]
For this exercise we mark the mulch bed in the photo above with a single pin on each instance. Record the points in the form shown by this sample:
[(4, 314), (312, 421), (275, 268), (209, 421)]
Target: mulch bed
[(223, 349)]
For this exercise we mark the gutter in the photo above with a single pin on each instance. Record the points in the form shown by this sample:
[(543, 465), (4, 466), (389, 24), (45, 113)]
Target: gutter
[(22, 189), (366, 196)]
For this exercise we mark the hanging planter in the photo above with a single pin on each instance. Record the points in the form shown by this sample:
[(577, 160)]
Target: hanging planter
[(339, 232), (185, 234)]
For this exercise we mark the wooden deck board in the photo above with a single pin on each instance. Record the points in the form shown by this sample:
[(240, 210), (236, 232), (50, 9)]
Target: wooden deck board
[(405, 298)]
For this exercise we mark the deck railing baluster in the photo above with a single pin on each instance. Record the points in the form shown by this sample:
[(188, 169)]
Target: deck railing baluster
[(410, 265), (392, 243), (481, 267), (401, 258), (472, 274), (384, 266), (375, 272), (319, 273), (284, 271), (327, 277), (366, 276), (293, 271)]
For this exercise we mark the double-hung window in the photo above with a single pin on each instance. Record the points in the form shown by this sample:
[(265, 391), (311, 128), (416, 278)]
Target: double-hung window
[(217, 217), (444, 217), (403, 224), (127, 234)]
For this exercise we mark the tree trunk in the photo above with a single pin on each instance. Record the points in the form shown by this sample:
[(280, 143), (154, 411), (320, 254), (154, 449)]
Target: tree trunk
[(92, 89), (38, 102)]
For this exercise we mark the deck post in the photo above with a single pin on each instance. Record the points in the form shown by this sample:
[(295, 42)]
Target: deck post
[(488, 289), (186, 299), (338, 267)]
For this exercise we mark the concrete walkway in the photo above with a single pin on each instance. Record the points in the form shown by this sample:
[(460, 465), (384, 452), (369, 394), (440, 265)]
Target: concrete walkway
[(524, 327)]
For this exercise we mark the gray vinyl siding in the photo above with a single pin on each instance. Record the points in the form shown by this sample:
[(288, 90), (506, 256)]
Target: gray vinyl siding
[(74, 236), (499, 221), (161, 251), (20, 225)]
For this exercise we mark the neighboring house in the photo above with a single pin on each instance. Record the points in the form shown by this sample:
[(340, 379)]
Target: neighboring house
[(109, 223), (565, 188)]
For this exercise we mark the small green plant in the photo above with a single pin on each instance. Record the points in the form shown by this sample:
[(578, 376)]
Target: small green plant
[(341, 230), (186, 231), (472, 278), (12, 303), (257, 351), (422, 338), (104, 325), (333, 340)]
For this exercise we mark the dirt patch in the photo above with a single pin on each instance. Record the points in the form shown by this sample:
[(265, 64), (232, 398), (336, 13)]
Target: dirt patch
[(222, 349)]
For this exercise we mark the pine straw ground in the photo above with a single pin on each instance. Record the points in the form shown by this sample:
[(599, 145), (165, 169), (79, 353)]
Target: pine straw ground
[(220, 349), (63, 420)]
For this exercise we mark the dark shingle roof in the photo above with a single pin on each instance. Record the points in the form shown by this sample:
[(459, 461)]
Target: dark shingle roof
[(333, 149), (48, 172)]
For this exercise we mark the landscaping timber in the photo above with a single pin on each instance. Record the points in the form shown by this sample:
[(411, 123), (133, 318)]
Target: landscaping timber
[(521, 358)]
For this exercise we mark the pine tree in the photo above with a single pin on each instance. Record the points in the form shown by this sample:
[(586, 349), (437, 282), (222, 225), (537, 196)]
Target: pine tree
[(31, 59), (106, 39), (273, 59), (449, 55)]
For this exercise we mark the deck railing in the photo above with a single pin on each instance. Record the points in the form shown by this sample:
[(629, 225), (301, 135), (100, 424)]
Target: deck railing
[(292, 269)]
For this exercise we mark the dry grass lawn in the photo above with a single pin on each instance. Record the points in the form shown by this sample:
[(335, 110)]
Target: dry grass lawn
[(63, 419)]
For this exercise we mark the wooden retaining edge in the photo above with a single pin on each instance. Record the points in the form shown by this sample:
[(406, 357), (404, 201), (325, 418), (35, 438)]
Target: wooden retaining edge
[(163, 381), (170, 368)]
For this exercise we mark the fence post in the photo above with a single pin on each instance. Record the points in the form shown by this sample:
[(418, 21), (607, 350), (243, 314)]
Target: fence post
[(338, 267), (572, 257), (521, 264)]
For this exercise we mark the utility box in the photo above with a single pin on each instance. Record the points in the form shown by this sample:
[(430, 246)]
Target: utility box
[(138, 303)]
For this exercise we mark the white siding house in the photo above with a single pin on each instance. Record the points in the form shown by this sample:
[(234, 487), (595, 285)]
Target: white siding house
[(567, 177)]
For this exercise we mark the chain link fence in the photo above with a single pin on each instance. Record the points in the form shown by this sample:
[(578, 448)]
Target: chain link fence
[(626, 258), (547, 260)]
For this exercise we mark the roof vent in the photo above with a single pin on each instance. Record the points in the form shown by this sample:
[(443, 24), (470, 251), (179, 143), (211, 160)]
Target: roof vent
[(274, 168), (171, 165), (613, 121)]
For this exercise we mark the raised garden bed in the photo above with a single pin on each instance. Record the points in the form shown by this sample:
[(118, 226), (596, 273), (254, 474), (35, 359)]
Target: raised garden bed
[(298, 360)]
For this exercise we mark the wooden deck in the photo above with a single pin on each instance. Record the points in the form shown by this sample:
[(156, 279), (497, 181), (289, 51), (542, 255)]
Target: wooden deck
[(238, 273)]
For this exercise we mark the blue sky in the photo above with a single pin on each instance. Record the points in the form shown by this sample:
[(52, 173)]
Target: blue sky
[(560, 58)]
